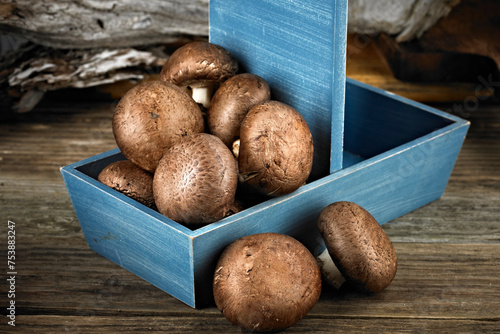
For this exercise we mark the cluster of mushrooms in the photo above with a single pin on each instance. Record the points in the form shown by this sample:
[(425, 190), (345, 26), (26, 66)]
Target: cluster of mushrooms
[(204, 131), (267, 282)]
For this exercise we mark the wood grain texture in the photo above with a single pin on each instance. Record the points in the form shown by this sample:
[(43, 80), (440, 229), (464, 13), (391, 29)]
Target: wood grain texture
[(365, 63), (406, 19), (461, 47), (90, 24), (472, 27), (412, 62), (448, 251), (434, 289)]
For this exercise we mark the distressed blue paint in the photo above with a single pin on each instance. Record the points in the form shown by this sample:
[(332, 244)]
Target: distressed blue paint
[(292, 45), (402, 177), (388, 121), (130, 234)]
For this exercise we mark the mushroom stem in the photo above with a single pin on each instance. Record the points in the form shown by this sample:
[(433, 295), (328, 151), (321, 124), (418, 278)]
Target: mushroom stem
[(236, 148), (202, 95), (244, 177), (330, 270)]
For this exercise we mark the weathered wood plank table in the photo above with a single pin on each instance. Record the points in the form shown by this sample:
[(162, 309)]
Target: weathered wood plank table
[(448, 278)]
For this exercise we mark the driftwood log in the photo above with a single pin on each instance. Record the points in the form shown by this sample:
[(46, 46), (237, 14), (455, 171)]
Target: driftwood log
[(405, 19), (81, 24), (83, 43), (462, 46), (36, 69), (125, 23)]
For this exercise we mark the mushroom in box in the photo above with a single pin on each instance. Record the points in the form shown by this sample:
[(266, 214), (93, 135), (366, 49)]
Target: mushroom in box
[(129, 179), (276, 149), (232, 101), (160, 128), (195, 181), (150, 118), (199, 66)]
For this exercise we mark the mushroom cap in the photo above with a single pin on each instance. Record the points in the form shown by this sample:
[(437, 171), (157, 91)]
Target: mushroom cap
[(358, 245), (198, 63), (129, 179), (276, 149), (232, 101), (266, 282), (195, 181), (150, 118)]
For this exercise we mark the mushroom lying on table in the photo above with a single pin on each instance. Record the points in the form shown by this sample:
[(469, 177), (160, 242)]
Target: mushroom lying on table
[(359, 247), (266, 282)]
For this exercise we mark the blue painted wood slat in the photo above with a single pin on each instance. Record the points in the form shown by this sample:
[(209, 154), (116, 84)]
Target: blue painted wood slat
[(299, 48)]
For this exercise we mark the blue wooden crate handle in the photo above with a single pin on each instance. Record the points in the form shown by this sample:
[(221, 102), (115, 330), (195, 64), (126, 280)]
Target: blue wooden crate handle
[(299, 48)]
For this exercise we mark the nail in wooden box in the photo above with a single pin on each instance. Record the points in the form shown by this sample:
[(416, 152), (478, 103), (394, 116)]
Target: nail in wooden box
[(384, 152)]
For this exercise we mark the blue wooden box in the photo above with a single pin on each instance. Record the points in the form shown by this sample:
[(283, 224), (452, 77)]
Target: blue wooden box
[(388, 154), (398, 156)]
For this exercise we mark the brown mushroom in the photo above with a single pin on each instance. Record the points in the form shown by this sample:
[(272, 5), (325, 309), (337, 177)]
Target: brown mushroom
[(198, 66), (150, 118), (195, 182), (232, 101), (276, 149), (129, 179), (266, 282), (358, 246)]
